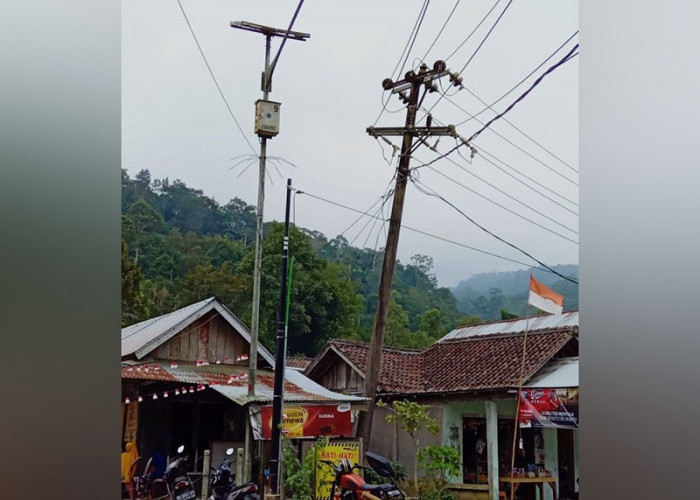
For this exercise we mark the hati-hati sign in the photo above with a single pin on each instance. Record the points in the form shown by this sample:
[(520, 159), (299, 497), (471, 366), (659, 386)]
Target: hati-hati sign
[(306, 421)]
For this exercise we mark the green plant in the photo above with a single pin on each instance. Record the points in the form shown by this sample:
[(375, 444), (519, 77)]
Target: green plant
[(440, 464), (412, 418), (399, 474), (298, 474)]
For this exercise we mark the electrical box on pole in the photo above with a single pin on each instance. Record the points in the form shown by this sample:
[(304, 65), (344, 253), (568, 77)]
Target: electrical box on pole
[(267, 118)]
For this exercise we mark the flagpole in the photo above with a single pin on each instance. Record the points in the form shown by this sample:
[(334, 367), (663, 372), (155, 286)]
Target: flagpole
[(517, 408)]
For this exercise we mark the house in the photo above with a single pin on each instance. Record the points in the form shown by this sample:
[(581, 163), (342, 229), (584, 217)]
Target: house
[(185, 381), (469, 378)]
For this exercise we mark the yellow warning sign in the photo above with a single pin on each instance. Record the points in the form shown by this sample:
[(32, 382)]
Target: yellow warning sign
[(334, 451)]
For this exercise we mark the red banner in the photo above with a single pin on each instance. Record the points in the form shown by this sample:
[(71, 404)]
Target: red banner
[(549, 408), (310, 421)]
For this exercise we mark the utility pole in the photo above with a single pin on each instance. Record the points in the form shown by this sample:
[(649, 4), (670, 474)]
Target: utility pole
[(266, 126), (414, 82), (278, 398)]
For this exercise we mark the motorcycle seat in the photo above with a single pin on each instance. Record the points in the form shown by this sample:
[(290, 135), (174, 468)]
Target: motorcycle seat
[(377, 487)]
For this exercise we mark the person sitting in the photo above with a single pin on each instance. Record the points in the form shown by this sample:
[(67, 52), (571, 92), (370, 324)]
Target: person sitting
[(129, 460)]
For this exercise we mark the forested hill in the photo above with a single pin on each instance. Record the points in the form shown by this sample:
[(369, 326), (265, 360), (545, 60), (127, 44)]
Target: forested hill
[(180, 246), (487, 294)]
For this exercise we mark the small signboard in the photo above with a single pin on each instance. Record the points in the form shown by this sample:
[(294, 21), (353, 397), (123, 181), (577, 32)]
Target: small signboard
[(333, 452), (549, 408), (309, 421)]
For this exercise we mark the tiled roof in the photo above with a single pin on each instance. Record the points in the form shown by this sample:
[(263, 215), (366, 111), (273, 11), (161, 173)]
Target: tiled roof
[(492, 362), (298, 362), (460, 365), (401, 368), (297, 387)]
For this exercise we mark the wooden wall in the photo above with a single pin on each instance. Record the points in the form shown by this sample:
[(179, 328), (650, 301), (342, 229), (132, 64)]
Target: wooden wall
[(209, 338), (340, 377)]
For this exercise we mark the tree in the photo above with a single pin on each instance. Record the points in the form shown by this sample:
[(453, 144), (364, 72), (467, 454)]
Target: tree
[(144, 219), (431, 323), (412, 418), (133, 305), (440, 463)]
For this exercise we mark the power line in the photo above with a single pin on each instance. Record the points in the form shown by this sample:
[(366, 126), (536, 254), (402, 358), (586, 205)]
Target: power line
[(514, 144), (512, 198), (221, 93), (487, 36), (521, 81), (474, 30), (476, 51), (504, 207), (570, 55), (426, 233), (436, 195), (415, 35), (444, 25), (410, 41)]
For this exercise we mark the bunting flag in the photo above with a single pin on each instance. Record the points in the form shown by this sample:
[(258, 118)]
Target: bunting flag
[(544, 298)]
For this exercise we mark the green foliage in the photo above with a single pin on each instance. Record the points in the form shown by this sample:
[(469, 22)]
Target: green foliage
[(400, 474), (187, 247), (412, 418), (298, 475), (441, 463), (133, 304), (465, 321)]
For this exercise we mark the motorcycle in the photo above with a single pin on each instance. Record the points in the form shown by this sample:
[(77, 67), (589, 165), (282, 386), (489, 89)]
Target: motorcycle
[(350, 486), (179, 485), (223, 486)]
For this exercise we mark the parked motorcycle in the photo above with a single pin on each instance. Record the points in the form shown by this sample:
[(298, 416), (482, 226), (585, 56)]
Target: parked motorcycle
[(350, 486), (179, 485), (223, 486)]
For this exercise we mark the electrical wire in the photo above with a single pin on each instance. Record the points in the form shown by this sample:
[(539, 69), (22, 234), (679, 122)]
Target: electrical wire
[(504, 207), (410, 41), (426, 233), (570, 55), (487, 36), (474, 30), (444, 25), (425, 190), (221, 93), (521, 81), (520, 202), (415, 36), (530, 155), (476, 51)]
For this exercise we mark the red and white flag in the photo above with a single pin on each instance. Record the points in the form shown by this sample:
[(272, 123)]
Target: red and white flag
[(544, 298)]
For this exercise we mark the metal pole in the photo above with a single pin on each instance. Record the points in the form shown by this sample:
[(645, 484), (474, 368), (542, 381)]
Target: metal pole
[(255, 320), (280, 354)]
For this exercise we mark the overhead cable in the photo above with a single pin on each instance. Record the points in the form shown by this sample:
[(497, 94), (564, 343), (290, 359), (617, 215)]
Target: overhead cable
[(424, 189), (221, 93)]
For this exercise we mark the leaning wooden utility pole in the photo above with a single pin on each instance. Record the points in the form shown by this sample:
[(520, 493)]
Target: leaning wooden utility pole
[(414, 82)]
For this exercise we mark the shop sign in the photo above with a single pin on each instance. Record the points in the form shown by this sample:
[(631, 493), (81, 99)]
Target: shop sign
[(309, 421), (549, 408), (334, 451)]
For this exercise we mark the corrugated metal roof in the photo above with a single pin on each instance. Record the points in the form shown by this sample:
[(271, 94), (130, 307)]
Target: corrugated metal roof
[(550, 321), (142, 338), (559, 373), (298, 387)]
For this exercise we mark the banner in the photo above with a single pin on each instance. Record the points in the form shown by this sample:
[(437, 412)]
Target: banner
[(333, 452), (549, 408), (309, 421)]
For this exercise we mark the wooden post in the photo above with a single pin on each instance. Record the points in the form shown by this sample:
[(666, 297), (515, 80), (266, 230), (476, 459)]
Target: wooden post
[(492, 447), (239, 465), (206, 465)]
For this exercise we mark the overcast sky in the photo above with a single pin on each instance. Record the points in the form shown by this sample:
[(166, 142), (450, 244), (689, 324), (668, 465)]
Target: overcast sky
[(175, 124)]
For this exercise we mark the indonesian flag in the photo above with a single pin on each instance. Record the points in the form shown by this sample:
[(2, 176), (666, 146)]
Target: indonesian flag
[(544, 298)]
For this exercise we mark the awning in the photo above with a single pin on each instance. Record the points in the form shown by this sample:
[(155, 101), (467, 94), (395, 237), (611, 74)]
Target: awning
[(231, 381), (559, 373)]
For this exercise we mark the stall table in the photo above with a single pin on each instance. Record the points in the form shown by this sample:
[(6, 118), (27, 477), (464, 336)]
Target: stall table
[(540, 481)]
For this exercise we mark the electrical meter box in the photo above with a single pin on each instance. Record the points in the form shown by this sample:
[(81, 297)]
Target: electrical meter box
[(267, 118)]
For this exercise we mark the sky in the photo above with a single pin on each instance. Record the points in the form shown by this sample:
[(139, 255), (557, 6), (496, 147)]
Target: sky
[(176, 125)]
